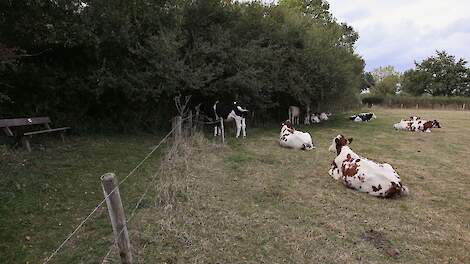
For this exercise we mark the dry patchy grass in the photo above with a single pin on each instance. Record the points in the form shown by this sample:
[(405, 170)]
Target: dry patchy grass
[(254, 202)]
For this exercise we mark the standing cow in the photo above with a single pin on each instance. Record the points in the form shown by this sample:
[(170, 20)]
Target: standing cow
[(229, 113), (294, 114), (362, 174)]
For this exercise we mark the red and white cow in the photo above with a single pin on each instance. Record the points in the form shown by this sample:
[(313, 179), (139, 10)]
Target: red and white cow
[(416, 124), (291, 138), (362, 174)]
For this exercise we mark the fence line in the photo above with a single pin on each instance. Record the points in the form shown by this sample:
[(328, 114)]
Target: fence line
[(130, 217), (104, 200)]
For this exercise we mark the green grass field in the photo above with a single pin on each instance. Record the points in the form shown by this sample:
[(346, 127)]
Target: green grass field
[(47, 193), (249, 201)]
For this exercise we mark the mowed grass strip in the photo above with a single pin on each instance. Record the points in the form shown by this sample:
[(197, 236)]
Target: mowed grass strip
[(254, 202), (47, 193)]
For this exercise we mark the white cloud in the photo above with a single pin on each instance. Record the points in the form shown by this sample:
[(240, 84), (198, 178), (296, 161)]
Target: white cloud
[(399, 32)]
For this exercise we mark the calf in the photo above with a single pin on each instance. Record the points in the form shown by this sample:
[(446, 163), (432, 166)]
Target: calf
[(362, 174), (229, 113), (294, 114), (291, 138)]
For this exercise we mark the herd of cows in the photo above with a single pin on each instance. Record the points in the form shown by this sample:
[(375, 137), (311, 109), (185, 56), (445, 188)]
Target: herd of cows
[(354, 171)]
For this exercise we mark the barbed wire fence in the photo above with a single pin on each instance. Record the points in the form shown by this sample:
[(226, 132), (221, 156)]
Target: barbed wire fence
[(181, 127)]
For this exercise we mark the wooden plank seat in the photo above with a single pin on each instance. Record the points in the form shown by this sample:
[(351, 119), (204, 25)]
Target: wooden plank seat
[(14, 127), (45, 131)]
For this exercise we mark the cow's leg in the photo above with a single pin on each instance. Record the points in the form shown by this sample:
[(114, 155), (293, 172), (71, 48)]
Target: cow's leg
[(243, 123), (335, 173), (239, 126)]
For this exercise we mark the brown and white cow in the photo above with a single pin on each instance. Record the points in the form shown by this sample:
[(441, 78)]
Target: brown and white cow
[(362, 174), (416, 124)]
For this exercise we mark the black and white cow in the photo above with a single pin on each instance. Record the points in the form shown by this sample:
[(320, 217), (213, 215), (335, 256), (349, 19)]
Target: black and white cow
[(363, 117), (228, 113)]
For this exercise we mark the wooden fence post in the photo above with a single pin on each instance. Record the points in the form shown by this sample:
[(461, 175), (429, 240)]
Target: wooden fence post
[(109, 183), (190, 123), (177, 128), (417, 106), (223, 130)]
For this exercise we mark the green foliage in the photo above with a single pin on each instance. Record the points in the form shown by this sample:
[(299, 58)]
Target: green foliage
[(372, 100), (381, 73), (453, 102), (118, 64), (388, 86), (386, 81), (367, 81), (440, 75)]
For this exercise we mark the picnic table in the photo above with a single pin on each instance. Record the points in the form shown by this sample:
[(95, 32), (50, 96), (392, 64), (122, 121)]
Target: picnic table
[(23, 129)]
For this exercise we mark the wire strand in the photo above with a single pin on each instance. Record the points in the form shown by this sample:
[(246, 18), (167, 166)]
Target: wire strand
[(106, 197)]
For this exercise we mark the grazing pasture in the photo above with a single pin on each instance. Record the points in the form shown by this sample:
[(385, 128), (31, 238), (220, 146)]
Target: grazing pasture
[(255, 202), (251, 201)]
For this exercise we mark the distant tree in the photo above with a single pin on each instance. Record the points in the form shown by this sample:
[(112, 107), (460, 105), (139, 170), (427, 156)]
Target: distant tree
[(414, 82), (439, 75), (380, 73), (447, 76), (386, 80), (367, 81), (388, 86)]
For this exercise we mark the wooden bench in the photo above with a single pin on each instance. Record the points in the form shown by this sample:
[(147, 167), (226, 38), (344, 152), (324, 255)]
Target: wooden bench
[(10, 127)]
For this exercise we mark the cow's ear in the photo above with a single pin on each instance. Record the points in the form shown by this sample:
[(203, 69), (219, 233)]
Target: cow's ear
[(336, 140), (350, 140)]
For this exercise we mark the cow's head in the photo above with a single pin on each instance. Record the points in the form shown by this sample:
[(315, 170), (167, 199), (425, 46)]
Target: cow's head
[(435, 123), (338, 142), (287, 123)]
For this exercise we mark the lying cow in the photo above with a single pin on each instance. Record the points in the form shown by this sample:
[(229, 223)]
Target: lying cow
[(229, 113), (316, 118), (362, 174), (416, 124), (291, 138), (363, 117)]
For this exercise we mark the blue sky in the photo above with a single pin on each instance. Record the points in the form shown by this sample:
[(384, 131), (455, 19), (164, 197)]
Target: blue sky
[(399, 32)]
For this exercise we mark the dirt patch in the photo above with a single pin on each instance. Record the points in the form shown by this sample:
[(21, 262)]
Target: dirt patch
[(380, 241)]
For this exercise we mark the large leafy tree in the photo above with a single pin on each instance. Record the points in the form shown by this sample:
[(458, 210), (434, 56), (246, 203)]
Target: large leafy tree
[(121, 62), (439, 75)]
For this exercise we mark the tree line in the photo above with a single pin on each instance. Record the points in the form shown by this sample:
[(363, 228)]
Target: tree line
[(438, 75), (118, 64)]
